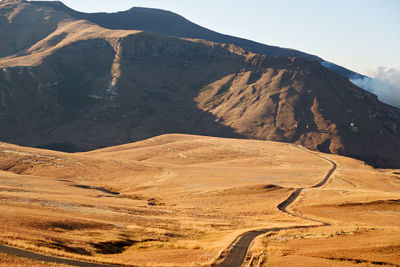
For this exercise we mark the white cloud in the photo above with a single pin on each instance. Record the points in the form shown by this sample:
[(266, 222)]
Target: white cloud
[(385, 83), (387, 75)]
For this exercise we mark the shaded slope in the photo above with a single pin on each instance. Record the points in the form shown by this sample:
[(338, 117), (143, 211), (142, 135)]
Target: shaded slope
[(298, 101), (97, 92)]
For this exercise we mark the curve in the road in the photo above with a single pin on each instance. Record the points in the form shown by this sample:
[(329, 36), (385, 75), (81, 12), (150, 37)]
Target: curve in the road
[(41, 257), (237, 254)]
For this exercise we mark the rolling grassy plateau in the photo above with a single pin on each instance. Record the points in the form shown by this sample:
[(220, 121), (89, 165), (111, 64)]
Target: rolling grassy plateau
[(183, 200)]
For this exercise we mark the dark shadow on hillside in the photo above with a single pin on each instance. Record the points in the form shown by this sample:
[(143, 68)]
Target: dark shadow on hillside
[(160, 78)]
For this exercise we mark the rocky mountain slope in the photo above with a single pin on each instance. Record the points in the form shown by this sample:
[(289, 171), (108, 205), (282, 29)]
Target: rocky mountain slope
[(72, 85)]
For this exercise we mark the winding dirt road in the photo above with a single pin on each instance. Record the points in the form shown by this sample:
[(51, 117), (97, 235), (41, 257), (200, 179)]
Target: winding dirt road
[(237, 254)]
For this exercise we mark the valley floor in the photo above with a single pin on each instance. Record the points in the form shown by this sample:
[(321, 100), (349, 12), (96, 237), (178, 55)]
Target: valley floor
[(180, 200)]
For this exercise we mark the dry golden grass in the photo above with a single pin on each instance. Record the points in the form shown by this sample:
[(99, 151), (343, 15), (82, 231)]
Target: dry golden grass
[(180, 200), (327, 247), (363, 207)]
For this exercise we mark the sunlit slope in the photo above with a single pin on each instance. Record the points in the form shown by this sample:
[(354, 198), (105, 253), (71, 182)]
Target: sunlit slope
[(63, 166), (221, 162)]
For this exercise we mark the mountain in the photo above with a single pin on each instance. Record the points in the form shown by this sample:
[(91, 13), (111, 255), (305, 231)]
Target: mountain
[(72, 81)]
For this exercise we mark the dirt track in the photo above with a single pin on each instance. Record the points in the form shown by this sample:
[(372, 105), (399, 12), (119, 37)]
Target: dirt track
[(41, 257), (237, 254)]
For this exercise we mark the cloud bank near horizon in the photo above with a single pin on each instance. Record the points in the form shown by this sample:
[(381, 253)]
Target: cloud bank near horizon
[(385, 83)]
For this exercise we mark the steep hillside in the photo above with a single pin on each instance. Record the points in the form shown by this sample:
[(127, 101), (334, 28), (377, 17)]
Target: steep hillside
[(90, 92), (293, 100), (83, 87)]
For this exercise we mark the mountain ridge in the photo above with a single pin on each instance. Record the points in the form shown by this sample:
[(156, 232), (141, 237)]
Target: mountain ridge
[(133, 19), (83, 86), (158, 24)]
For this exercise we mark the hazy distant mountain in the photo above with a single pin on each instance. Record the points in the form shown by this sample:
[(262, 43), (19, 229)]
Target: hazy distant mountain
[(69, 84)]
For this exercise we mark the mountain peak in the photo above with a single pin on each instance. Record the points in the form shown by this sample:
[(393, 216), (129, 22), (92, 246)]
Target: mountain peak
[(152, 11)]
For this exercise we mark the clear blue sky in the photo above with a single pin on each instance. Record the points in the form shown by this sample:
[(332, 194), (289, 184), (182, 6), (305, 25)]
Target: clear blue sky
[(358, 34)]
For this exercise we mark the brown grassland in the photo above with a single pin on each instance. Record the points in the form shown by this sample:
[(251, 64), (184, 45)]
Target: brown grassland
[(181, 200)]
